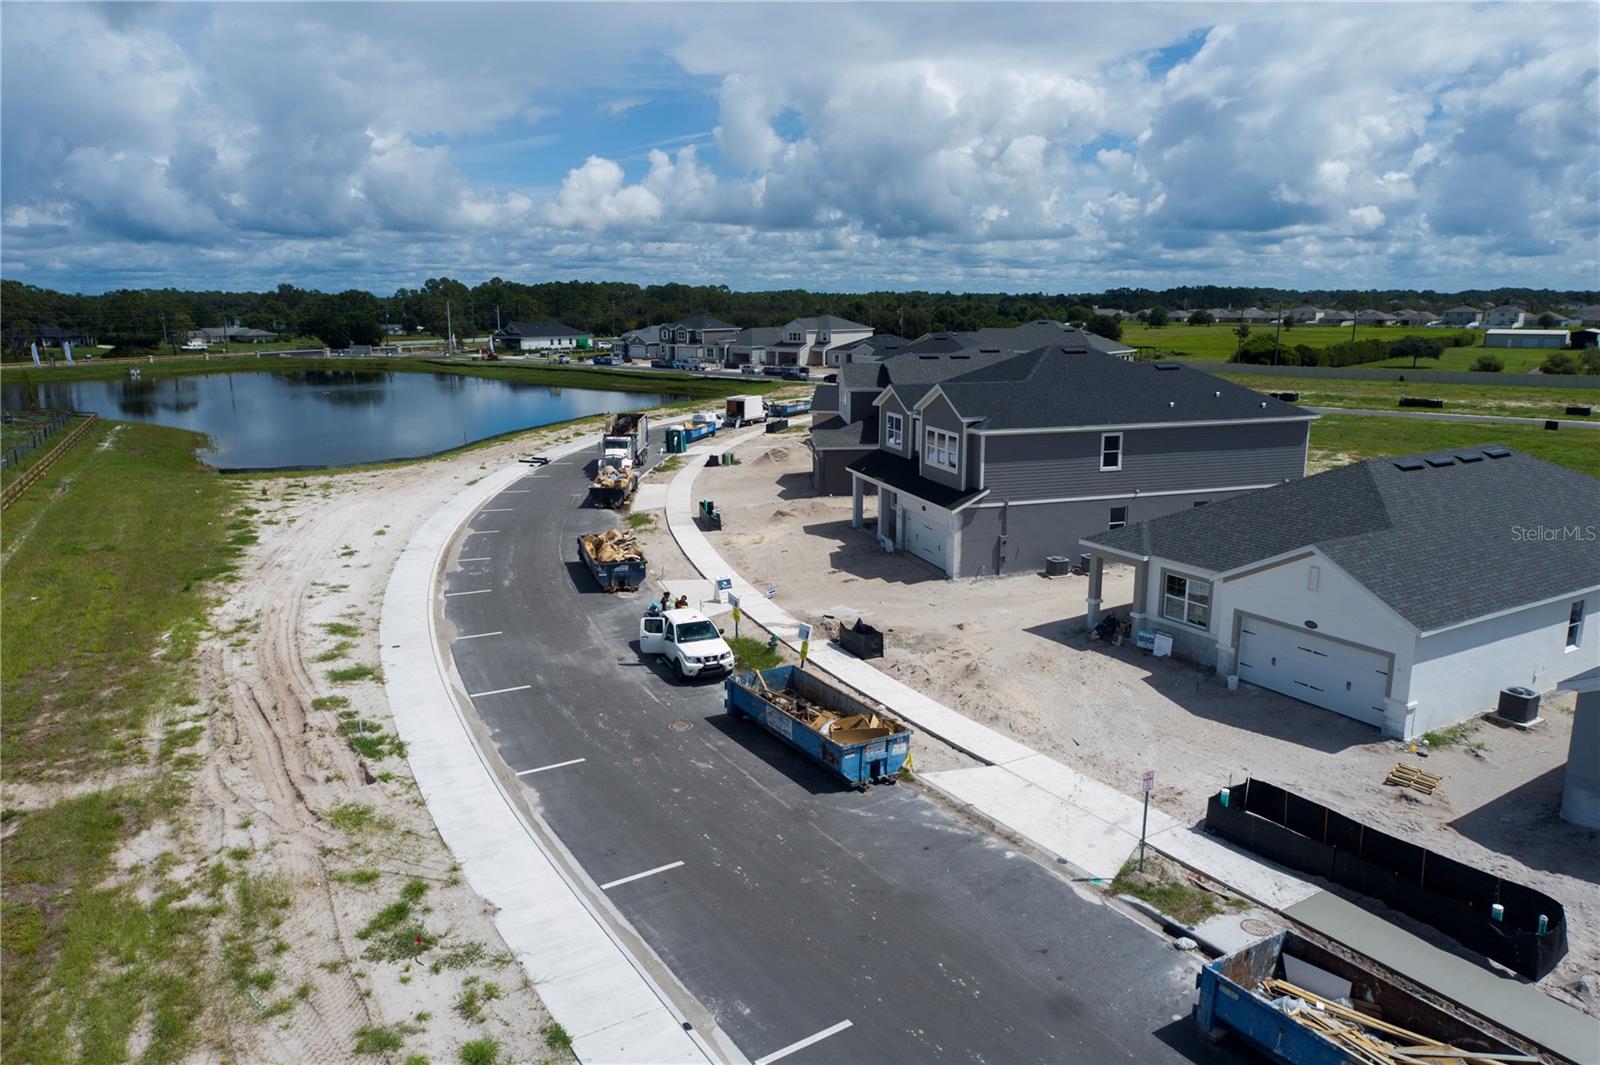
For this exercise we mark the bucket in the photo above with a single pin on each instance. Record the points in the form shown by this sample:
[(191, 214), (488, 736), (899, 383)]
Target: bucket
[(1233, 682)]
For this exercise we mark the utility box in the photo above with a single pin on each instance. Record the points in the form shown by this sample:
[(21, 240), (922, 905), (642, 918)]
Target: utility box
[(1520, 706)]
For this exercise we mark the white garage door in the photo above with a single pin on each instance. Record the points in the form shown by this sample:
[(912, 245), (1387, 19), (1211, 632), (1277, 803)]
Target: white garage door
[(1314, 669), (925, 535)]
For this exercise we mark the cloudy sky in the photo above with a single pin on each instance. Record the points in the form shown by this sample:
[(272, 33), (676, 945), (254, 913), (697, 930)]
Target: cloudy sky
[(842, 146)]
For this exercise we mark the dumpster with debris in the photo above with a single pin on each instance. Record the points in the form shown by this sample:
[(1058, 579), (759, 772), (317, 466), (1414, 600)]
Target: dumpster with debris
[(612, 486), (615, 558), (851, 738), (1301, 1003)]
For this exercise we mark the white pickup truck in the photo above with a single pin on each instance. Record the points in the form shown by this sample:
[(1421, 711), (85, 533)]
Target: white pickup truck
[(687, 641)]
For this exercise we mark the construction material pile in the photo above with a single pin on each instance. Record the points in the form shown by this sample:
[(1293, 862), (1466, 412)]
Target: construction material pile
[(843, 729), (1368, 1038), (613, 545), (612, 477)]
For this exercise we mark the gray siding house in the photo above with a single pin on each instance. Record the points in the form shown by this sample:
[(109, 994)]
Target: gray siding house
[(986, 463)]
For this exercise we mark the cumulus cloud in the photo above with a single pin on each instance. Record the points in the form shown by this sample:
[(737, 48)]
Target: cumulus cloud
[(1043, 146)]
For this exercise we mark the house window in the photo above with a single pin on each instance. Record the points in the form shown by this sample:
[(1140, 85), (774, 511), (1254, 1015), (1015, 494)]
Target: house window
[(1188, 600), (894, 427), (1111, 451), (1119, 518), (1575, 625), (941, 449)]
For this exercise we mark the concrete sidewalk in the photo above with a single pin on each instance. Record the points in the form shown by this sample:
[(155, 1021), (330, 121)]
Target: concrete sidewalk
[(1095, 829), (595, 987)]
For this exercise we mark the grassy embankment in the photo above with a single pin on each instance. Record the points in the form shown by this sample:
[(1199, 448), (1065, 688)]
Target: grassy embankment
[(1216, 343), (1337, 439), (108, 562)]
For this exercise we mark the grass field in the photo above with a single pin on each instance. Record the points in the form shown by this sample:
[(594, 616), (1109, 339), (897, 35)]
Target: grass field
[(598, 377), (1461, 399), (104, 587), (1216, 343), (1337, 439)]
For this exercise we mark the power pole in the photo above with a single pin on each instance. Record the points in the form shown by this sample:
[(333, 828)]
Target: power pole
[(449, 330), (167, 336), (225, 333), (1277, 341)]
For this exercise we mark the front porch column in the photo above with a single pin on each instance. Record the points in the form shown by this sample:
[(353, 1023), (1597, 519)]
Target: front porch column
[(1141, 579), (858, 495), (1097, 569)]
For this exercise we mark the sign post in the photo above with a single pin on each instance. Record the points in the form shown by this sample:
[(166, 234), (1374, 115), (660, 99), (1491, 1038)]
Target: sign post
[(805, 644), (723, 585), (1149, 786), (734, 601)]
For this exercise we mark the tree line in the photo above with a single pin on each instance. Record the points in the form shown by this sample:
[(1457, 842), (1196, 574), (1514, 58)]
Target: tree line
[(138, 320)]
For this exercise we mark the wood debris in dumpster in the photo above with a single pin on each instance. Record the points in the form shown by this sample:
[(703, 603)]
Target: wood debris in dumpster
[(611, 477), (1366, 1038), (613, 545), (844, 729)]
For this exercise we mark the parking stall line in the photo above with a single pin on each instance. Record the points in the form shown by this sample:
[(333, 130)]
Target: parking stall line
[(553, 765), (481, 532), (475, 591), (480, 635), (802, 1044), (640, 876), (499, 691), (481, 558), (495, 510)]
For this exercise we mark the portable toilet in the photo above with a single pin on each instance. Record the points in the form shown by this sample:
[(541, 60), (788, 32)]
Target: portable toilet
[(676, 442)]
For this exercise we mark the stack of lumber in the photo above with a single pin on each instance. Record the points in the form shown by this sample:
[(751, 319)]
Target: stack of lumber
[(1371, 1040), (1410, 776), (611, 477), (613, 545)]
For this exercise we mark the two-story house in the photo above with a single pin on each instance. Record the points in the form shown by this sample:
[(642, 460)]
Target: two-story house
[(1505, 316), (750, 346), (698, 338), (818, 341), (993, 468), (1462, 315), (642, 343), (1305, 314)]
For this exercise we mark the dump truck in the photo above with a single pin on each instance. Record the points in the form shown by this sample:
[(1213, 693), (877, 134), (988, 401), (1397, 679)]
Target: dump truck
[(852, 739), (626, 441), (1300, 1002), (615, 558), (612, 487), (743, 410)]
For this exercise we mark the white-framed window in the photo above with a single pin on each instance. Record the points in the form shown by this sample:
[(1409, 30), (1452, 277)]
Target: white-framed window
[(1575, 625), (894, 427), (941, 450), (1111, 451), (1187, 600), (1119, 518)]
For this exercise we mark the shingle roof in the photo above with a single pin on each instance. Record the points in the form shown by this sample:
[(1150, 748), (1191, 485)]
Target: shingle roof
[(1442, 544), (831, 323), (902, 475), (825, 398), (760, 336), (1024, 337), (648, 333), (702, 322), (833, 434), (543, 329), (1051, 387)]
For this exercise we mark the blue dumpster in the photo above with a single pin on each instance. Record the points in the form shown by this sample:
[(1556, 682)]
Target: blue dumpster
[(852, 739)]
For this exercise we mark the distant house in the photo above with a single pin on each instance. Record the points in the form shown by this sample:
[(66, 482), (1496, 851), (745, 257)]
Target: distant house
[(393, 329), (1226, 314), (1257, 316), (1525, 338), (1305, 315), (233, 334), (641, 343), (1025, 337), (1351, 590), (51, 336), (543, 336), (875, 348), (1462, 315), (818, 341), (1411, 317), (1588, 315), (696, 339), (1506, 316), (1371, 317), (751, 347)]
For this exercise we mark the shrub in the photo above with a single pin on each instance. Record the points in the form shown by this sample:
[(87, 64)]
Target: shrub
[(1202, 318), (1414, 348), (1559, 362), (1106, 326), (1489, 364)]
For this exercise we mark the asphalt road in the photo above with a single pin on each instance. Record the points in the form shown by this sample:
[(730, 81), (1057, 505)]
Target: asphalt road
[(798, 905)]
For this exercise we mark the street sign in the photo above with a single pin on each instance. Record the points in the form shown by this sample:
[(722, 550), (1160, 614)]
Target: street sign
[(733, 601), (805, 633), (772, 590), (724, 583), (1149, 781)]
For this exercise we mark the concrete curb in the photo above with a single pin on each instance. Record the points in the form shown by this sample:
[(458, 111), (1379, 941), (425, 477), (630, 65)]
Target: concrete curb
[(598, 988)]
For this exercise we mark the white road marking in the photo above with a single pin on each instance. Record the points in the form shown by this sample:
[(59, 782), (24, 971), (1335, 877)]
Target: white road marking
[(514, 491), (495, 510), (475, 591), (483, 558), (480, 635), (639, 876), (802, 1044), (554, 765), (499, 691), (480, 532)]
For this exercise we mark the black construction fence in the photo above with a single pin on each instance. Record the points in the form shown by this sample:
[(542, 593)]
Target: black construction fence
[(1440, 892)]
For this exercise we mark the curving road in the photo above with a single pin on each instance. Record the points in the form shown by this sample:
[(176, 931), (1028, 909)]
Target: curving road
[(787, 905)]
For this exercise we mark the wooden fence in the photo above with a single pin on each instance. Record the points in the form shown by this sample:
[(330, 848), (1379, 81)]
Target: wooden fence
[(14, 490)]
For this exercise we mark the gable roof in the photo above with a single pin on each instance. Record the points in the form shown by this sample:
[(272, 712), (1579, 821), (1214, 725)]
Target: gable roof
[(827, 323), (835, 434), (702, 322), (648, 333), (826, 397), (756, 336), (1054, 388), (902, 475), (1440, 544), (542, 329), (1016, 338)]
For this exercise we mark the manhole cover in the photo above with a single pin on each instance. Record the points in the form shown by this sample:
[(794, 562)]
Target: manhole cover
[(1254, 926), (681, 726)]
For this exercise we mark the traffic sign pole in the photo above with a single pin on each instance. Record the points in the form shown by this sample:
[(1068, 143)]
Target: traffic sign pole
[(1144, 823)]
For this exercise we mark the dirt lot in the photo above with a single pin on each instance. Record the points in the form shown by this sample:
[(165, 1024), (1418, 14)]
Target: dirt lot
[(1010, 652)]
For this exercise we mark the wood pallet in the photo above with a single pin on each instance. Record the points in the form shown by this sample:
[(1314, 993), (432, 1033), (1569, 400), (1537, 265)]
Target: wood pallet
[(1413, 777)]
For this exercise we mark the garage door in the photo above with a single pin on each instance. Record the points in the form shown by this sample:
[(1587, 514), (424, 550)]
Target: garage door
[(1350, 680), (925, 535)]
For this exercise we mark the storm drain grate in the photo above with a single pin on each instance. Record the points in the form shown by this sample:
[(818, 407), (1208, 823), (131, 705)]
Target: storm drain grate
[(681, 725), (1254, 926)]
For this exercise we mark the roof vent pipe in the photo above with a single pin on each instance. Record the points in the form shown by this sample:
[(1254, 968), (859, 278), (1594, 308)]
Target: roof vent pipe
[(1172, 403)]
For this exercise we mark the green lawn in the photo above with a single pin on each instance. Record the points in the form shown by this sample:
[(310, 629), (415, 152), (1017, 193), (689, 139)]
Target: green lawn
[(1216, 343), (1461, 399), (1337, 439), (104, 591)]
